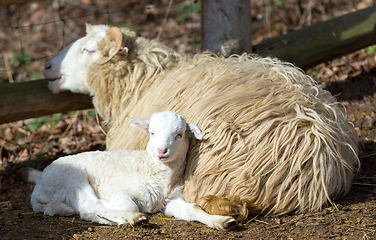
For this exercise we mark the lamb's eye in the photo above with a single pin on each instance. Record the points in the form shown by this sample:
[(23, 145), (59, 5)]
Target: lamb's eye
[(179, 135), (152, 133)]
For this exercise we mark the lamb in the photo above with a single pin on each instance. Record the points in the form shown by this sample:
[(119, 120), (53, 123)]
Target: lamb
[(114, 187), (274, 141)]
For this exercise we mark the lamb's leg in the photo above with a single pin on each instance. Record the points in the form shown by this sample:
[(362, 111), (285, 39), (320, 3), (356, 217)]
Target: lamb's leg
[(58, 207), (180, 209), (96, 210)]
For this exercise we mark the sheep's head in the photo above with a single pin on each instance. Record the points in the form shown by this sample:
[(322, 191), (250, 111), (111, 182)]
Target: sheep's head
[(70, 67), (168, 134)]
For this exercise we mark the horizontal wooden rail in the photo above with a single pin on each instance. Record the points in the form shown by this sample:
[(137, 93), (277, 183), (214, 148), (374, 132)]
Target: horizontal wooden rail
[(323, 41), (33, 99)]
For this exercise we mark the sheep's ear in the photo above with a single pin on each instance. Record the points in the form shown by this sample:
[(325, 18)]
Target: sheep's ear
[(129, 33), (139, 123), (88, 27), (195, 130)]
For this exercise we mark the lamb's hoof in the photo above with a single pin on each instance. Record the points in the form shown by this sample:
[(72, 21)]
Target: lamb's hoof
[(230, 224), (140, 219)]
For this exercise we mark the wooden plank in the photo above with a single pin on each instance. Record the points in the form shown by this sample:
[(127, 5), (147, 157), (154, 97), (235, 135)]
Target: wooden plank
[(226, 26), (323, 41), (33, 99), (10, 2)]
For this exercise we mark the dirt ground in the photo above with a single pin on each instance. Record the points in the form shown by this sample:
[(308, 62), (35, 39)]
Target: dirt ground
[(36, 143)]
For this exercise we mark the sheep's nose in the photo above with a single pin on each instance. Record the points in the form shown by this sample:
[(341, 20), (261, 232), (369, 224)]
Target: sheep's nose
[(162, 152), (47, 66)]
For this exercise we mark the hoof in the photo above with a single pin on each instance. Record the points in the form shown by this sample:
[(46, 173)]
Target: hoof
[(230, 224), (140, 219)]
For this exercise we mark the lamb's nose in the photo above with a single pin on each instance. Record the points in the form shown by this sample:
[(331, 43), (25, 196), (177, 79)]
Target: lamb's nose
[(161, 152), (47, 66)]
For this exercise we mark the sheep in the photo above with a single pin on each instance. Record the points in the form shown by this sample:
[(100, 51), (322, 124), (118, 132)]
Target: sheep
[(114, 187), (274, 140)]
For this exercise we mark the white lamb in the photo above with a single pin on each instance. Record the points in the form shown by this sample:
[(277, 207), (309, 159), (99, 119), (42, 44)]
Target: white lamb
[(114, 187)]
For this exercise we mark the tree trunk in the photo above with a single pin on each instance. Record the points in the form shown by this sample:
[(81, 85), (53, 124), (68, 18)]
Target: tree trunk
[(226, 26)]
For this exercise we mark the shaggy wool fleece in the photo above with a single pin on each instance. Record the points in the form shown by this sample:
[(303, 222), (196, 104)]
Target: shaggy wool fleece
[(274, 140)]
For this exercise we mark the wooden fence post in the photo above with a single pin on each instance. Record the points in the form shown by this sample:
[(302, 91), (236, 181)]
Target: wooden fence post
[(226, 26)]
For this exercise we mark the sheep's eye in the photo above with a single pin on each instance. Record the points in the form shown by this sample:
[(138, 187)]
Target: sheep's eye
[(179, 135), (152, 133), (87, 50)]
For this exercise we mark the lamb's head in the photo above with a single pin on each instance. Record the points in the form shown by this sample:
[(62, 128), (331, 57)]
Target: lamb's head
[(169, 134), (71, 66)]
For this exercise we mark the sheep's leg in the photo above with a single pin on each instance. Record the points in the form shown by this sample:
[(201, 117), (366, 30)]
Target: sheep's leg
[(120, 201), (93, 209), (58, 207), (180, 209)]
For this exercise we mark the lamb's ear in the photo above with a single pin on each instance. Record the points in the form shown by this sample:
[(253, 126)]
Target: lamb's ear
[(139, 123), (195, 130)]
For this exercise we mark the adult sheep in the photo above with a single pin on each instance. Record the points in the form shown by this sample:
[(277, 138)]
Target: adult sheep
[(274, 141)]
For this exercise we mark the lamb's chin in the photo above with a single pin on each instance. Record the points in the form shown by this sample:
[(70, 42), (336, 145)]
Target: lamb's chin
[(164, 158)]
